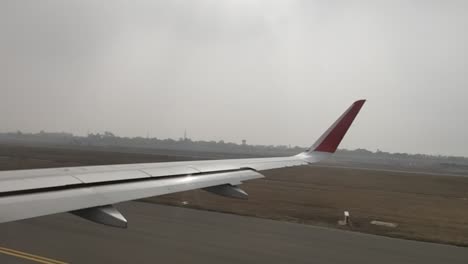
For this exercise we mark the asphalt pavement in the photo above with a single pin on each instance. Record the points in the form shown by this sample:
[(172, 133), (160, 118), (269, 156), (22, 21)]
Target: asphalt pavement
[(164, 234)]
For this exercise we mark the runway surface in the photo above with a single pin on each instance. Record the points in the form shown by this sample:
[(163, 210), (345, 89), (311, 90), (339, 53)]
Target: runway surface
[(163, 234), (403, 171)]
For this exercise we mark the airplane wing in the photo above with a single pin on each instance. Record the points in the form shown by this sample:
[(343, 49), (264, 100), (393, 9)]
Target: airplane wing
[(91, 191)]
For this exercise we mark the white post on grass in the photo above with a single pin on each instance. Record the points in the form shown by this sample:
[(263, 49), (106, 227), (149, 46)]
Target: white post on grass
[(346, 217)]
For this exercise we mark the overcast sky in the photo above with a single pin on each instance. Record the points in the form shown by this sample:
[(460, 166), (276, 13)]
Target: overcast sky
[(270, 72)]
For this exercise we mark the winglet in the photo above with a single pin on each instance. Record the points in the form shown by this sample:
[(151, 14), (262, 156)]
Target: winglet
[(330, 140)]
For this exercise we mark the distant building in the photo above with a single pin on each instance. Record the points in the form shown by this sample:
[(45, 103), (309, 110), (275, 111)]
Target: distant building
[(244, 142)]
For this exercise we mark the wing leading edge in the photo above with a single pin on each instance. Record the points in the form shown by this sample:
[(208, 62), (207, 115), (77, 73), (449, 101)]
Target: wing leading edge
[(90, 191)]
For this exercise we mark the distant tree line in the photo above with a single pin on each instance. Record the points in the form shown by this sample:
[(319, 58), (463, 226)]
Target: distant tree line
[(110, 139)]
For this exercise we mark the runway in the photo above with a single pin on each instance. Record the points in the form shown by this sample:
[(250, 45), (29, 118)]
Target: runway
[(399, 171), (163, 234)]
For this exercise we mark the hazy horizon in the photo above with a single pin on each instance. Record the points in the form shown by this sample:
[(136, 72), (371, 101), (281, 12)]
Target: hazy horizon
[(48, 135), (270, 72)]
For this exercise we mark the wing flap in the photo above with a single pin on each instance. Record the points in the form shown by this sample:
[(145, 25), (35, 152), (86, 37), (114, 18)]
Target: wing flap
[(111, 176), (169, 170), (275, 163), (19, 184), (15, 181), (17, 207)]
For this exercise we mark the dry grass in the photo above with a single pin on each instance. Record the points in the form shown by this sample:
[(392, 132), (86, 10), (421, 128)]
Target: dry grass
[(425, 207)]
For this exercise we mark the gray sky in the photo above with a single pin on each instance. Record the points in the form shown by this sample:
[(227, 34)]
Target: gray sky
[(272, 72)]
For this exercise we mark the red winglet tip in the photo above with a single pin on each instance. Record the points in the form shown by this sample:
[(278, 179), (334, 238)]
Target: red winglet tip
[(330, 140), (362, 101)]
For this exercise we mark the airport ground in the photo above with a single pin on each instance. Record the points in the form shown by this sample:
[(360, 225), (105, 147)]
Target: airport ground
[(166, 234), (425, 207)]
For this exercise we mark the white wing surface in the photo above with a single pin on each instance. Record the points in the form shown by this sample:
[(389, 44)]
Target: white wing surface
[(90, 192)]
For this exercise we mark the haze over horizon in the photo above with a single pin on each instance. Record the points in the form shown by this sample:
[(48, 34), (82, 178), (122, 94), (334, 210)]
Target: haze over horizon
[(270, 72)]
